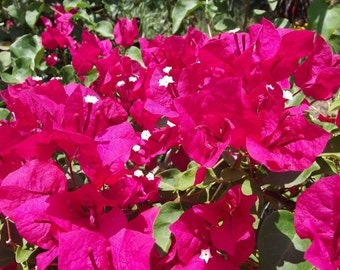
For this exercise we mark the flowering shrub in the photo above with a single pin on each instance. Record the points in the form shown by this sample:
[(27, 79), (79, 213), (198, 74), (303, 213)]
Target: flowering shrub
[(176, 152)]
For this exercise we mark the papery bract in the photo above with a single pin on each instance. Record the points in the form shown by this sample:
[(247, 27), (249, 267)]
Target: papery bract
[(205, 122), (125, 32), (33, 180), (87, 54), (225, 225), (288, 141), (114, 145), (317, 217), (319, 75)]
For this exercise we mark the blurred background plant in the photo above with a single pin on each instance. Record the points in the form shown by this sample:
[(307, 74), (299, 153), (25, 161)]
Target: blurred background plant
[(21, 53)]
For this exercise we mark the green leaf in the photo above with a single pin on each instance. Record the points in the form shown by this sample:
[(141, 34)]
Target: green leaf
[(303, 176), (288, 179), (298, 96), (230, 174), (5, 114), (316, 15), (182, 9), (105, 29), (28, 46), (332, 148), (68, 74), (173, 179), (331, 22), (17, 11), (70, 4), (334, 41), (335, 105), (167, 215), (8, 78), (24, 252), (33, 13), (135, 54), (279, 245), (87, 18), (21, 70), (91, 76), (5, 60), (225, 24)]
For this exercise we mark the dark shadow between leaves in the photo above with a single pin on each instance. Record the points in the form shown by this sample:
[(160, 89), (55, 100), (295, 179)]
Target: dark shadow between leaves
[(275, 247)]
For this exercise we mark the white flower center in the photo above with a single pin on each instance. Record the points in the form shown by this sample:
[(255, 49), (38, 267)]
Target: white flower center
[(150, 176), (205, 255), (36, 78), (145, 135), (136, 148), (170, 124), (269, 87), (91, 99), (138, 173), (120, 83), (287, 94), (167, 70), (165, 81), (132, 79)]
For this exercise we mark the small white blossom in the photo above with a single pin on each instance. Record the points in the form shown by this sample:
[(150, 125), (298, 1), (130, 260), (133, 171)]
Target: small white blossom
[(205, 255), (145, 135), (138, 173), (91, 99), (136, 148), (120, 83), (269, 87), (287, 94), (167, 70), (150, 176), (133, 79), (36, 78), (165, 81), (56, 78), (234, 30), (170, 124)]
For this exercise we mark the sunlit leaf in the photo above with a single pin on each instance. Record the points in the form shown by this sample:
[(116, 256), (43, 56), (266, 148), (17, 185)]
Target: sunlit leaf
[(182, 9), (33, 13), (279, 245), (168, 214)]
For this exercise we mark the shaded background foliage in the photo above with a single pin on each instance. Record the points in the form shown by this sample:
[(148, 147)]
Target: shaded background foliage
[(21, 18)]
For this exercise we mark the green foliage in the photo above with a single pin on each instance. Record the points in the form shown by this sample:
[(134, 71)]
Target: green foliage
[(182, 9), (168, 214), (288, 249)]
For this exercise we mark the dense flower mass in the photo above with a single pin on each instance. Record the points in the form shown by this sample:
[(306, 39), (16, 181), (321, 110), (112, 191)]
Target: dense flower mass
[(317, 217), (95, 162)]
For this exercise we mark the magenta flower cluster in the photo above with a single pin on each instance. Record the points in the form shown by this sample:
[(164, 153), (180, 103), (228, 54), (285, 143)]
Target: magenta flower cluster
[(192, 97)]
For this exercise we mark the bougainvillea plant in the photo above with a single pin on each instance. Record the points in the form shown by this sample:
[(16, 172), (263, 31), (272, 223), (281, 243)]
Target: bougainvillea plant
[(177, 152)]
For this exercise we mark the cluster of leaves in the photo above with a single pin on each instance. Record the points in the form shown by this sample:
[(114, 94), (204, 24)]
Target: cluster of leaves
[(123, 149)]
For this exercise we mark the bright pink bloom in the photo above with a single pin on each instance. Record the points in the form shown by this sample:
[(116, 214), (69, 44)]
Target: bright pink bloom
[(35, 179), (125, 32), (317, 217), (205, 120), (222, 229), (133, 188), (319, 75), (86, 55), (52, 59), (288, 142), (120, 78)]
